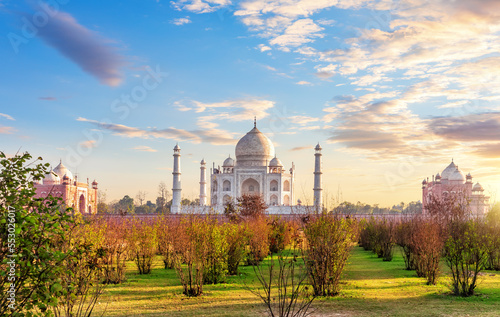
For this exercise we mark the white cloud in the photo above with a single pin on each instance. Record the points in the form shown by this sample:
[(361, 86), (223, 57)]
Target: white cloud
[(200, 6), (263, 47), (181, 21), (303, 82), (6, 116), (88, 144), (144, 148)]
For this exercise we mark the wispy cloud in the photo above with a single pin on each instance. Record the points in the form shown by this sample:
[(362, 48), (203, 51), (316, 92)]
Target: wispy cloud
[(6, 116), (7, 130), (213, 136), (304, 83), (181, 21), (48, 98), (91, 52), (200, 6), (301, 148), (88, 144), (144, 148)]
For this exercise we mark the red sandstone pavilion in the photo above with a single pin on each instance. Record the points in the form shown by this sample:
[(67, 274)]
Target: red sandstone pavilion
[(452, 181), (59, 182)]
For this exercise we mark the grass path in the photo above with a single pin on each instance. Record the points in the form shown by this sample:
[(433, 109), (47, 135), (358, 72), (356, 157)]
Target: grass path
[(370, 287)]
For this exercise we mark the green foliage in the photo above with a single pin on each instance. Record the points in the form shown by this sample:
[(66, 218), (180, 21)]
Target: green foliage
[(39, 226), (329, 243), (237, 239), (216, 248), (280, 235)]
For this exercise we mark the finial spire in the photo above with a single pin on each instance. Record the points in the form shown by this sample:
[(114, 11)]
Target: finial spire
[(255, 122)]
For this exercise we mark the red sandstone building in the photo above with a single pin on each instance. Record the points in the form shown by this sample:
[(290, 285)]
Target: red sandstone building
[(452, 181), (59, 182)]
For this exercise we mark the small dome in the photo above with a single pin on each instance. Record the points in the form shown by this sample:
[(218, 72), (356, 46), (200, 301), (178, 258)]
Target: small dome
[(275, 162), (477, 187), (424, 182), (203, 162), (94, 182), (318, 147), (229, 162), (469, 175), (457, 176), (438, 176), (51, 178), (177, 147), (450, 169), (62, 171)]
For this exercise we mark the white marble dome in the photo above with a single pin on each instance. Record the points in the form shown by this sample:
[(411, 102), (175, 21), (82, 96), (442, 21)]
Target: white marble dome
[(51, 178), (229, 162), (275, 162), (457, 175), (477, 187), (62, 170), (448, 171), (254, 149)]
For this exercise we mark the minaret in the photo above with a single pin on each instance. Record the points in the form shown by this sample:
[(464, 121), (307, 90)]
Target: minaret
[(203, 183), (176, 190), (318, 197)]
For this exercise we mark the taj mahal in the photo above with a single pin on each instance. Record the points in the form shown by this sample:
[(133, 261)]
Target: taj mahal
[(255, 170)]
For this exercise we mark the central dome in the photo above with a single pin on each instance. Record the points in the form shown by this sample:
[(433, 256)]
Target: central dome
[(254, 149)]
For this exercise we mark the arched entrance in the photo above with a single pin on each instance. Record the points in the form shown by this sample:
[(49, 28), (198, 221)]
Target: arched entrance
[(81, 204), (250, 187)]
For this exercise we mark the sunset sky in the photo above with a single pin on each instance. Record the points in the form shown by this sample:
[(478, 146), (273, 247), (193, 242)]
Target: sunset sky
[(392, 90)]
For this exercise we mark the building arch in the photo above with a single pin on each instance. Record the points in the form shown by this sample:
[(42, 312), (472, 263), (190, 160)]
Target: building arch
[(214, 186), (226, 186), (273, 185), (214, 200), (251, 187), (274, 200), (82, 204), (286, 186), (286, 200)]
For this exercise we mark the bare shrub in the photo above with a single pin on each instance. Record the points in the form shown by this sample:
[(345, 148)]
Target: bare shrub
[(80, 283), (367, 234), (251, 206), (427, 240), (386, 238), (403, 239), (143, 243), (165, 242), (466, 254), (329, 242), (283, 289), (114, 252), (280, 234), (189, 249)]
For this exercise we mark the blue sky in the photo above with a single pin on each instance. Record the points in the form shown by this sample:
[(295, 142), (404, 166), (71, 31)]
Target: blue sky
[(392, 90)]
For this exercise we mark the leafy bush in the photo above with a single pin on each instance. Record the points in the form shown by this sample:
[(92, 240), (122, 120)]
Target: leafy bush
[(329, 242), (216, 248), (237, 239), (280, 234), (258, 240), (31, 233), (165, 244)]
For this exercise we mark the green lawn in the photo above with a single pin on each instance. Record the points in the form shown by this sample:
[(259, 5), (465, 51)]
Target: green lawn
[(370, 287)]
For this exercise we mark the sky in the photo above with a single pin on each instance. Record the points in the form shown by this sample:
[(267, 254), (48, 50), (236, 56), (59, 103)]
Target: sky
[(392, 90)]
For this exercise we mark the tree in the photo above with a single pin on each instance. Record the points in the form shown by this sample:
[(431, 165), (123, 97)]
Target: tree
[(162, 199), (141, 197), (32, 231), (251, 205), (126, 205)]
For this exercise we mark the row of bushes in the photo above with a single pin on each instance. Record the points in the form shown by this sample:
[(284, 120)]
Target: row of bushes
[(466, 245)]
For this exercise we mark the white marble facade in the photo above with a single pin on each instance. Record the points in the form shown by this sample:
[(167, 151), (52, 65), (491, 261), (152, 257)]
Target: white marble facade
[(256, 170)]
